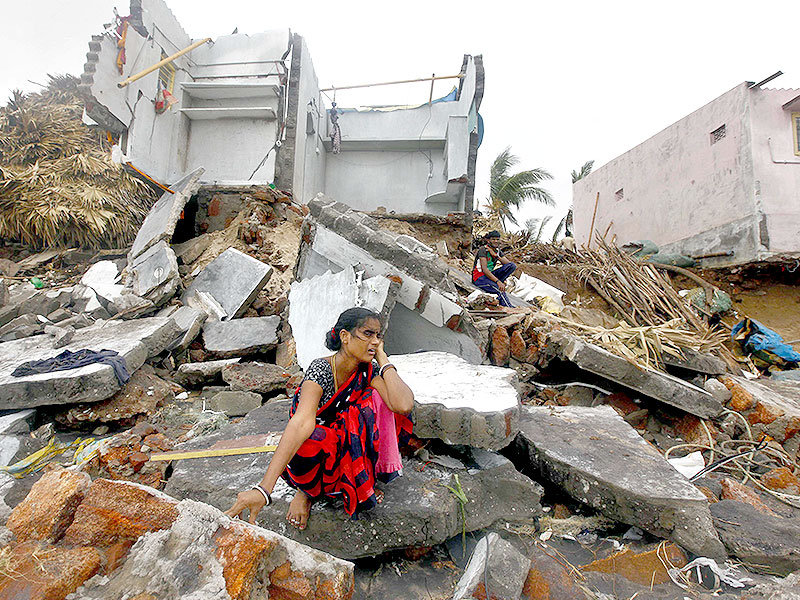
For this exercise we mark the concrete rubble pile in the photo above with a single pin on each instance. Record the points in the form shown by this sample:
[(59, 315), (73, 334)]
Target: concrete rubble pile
[(530, 442)]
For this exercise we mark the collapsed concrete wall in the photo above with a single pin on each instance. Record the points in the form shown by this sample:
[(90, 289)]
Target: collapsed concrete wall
[(426, 315)]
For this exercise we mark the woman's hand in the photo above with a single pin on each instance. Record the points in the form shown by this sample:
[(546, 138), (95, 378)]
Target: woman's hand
[(251, 500), (380, 354)]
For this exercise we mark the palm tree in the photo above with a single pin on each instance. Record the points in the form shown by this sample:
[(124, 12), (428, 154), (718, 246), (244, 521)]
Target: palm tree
[(508, 192), (566, 222), (535, 228)]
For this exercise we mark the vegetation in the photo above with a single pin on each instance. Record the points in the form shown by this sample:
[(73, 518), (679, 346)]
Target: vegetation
[(566, 222), (508, 192), (58, 185)]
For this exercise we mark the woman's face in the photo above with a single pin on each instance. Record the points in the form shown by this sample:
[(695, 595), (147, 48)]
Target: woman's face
[(364, 341)]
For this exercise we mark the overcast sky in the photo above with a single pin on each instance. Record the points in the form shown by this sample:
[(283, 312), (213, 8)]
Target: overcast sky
[(565, 81)]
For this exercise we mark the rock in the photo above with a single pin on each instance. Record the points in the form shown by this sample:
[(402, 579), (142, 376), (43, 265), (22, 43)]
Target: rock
[(203, 554), (78, 322), (316, 303), (190, 251), (20, 322), (85, 301), (495, 564), (654, 384), (142, 395), (645, 568), (717, 389), (17, 422), (601, 461), (5, 297), (234, 403), (233, 279), (135, 341), (48, 510), (782, 480), (472, 405), (258, 377), (785, 589), (42, 572), (763, 543), (549, 579), (154, 273), (240, 337), (130, 306), (501, 346), (61, 335), (418, 510), (102, 279), (190, 321), (699, 362), (519, 349), (59, 315), (8, 268), (201, 373), (159, 224)]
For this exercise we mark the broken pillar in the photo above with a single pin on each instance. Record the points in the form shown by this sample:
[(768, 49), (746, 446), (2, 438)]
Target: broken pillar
[(233, 279), (316, 303), (600, 460), (461, 403), (427, 315), (134, 340)]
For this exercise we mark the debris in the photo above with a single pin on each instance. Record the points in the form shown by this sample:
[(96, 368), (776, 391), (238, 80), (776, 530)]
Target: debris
[(473, 405), (212, 453), (233, 403), (765, 345), (240, 337), (689, 465), (601, 461), (645, 568), (154, 273), (234, 294), (190, 321), (201, 373), (495, 570), (255, 377)]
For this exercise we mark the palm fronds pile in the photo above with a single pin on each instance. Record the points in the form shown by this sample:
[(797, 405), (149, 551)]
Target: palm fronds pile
[(58, 185)]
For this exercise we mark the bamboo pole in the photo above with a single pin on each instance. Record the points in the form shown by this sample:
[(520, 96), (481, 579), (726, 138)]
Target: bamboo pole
[(594, 214), (366, 85), (162, 62)]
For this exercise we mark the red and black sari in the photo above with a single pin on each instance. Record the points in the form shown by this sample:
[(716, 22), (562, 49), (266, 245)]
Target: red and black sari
[(338, 459)]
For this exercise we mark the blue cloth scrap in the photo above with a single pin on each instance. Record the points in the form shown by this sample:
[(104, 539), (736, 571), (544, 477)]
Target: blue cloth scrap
[(73, 360), (757, 337)]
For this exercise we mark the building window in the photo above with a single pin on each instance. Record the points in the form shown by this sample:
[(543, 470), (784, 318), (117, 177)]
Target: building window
[(166, 75), (619, 194), (796, 132), (718, 134)]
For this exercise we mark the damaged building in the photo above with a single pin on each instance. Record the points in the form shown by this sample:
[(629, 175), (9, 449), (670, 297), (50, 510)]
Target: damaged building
[(723, 181)]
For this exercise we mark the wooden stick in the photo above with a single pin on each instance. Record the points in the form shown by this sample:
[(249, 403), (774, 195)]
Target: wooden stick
[(366, 85), (211, 453), (162, 62), (594, 215)]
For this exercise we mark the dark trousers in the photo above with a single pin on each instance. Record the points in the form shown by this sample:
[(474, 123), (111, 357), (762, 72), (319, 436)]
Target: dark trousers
[(487, 285)]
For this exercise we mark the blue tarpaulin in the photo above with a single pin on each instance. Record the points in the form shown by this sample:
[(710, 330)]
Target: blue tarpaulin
[(761, 340)]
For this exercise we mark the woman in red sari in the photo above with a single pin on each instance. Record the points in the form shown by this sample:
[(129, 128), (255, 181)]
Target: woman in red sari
[(331, 445)]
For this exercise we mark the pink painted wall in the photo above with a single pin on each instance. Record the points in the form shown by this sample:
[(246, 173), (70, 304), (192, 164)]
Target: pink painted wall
[(693, 196)]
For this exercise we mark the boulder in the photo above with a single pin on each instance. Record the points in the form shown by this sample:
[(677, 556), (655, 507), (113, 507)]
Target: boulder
[(461, 403), (258, 377), (190, 321), (202, 373), (234, 403), (600, 460), (418, 509), (495, 570)]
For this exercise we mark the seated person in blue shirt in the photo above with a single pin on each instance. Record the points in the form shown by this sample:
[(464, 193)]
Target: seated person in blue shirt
[(491, 269)]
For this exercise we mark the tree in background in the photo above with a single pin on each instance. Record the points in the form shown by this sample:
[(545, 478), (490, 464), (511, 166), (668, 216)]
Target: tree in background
[(535, 228), (566, 222), (507, 192)]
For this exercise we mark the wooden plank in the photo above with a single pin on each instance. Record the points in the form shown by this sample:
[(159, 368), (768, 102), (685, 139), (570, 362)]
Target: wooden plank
[(211, 453)]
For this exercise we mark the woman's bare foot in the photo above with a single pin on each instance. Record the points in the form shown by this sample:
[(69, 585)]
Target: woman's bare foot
[(378, 496), (299, 509)]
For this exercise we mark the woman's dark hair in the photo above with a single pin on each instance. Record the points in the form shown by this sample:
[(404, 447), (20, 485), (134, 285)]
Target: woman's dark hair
[(492, 234), (349, 320)]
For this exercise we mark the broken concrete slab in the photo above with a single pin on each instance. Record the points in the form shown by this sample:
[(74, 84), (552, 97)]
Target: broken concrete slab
[(468, 404), (233, 279), (154, 273), (18, 422), (427, 315), (763, 543), (61, 335), (654, 384), (600, 460), (190, 322), (85, 301), (240, 337), (102, 277), (418, 510), (234, 403), (190, 251), (316, 303), (494, 565), (135, 341), (202, 373), (262, 378), (159, 224)]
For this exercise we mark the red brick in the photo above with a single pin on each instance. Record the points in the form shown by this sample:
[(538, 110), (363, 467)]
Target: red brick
[(792, 429), (518, 348), (114, 512), (501, 346), (691, 429), (764, 414), (33, 571), (548, 579), (644, 568), (733, 490), (50, 506), (622, 404), (741, 399), (239, 552), (782, 480)]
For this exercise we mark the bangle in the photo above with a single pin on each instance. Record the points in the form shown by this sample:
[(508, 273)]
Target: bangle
[(385, 367), (267, 497)]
